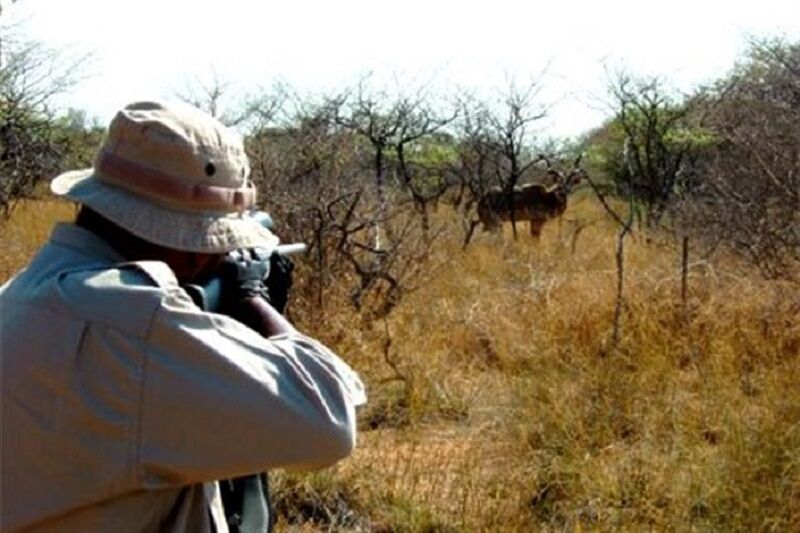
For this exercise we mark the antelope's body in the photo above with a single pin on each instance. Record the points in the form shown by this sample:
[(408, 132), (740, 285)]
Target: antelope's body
[(535, 203)]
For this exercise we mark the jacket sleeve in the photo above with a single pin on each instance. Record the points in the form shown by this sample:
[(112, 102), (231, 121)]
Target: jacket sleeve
[(219, 400)]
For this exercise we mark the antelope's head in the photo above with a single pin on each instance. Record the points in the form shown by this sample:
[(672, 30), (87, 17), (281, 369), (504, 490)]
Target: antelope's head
[(565, 183)]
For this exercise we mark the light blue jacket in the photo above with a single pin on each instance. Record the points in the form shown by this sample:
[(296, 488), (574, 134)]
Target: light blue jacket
[(122, 401)]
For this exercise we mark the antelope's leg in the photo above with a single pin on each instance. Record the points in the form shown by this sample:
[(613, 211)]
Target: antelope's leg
[(536, 228)]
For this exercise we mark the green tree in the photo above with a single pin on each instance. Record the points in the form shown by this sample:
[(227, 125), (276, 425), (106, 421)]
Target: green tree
[(649, 144), (32, 142)]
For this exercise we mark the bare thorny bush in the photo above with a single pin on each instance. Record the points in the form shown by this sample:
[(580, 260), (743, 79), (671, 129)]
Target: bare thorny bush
[(330, 176), (750, 194)]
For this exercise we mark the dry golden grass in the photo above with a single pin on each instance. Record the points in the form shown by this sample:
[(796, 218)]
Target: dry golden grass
[(27, 229), (515, 414)]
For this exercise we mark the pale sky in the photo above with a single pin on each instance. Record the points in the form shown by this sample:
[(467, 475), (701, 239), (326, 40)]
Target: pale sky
[(153, 48)]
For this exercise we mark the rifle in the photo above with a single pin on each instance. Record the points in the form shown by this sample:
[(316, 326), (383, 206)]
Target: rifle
[(268, 274)]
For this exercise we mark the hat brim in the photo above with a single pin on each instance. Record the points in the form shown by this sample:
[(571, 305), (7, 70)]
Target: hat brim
[(203, 232)]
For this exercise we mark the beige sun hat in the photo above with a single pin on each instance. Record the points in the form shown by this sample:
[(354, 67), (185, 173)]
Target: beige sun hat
[(172, 175)]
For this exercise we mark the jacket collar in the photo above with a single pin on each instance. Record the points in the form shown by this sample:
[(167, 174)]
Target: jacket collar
[(85, 242)]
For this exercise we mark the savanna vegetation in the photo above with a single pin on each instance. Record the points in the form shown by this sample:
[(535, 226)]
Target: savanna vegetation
[(635, 368)]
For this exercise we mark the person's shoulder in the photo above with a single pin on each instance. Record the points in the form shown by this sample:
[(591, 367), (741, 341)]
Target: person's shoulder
[(134, 276), (122, 296), (157, 273)]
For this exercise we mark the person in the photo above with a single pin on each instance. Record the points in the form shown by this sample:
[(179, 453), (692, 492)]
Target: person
[(122, 401)]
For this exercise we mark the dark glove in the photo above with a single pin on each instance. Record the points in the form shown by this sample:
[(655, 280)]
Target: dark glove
[(245, 274), (242, 276), (279, 281)]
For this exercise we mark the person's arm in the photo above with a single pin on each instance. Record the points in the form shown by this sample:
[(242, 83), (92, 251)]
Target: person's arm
[(260, 316), (220, 400)]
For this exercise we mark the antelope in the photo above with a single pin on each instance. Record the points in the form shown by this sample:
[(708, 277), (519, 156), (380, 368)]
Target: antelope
[(535, 203)]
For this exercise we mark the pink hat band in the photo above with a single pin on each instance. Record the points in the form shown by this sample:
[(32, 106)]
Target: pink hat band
[(169, 189)]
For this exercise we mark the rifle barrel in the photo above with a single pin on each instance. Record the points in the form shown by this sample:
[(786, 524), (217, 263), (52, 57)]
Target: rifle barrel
[(294, 248)]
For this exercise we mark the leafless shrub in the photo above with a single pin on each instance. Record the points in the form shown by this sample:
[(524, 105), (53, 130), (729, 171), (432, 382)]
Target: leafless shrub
[(219, 98), (302, 163), (624, 222), (397, 131), (323, 167), (749, 195)]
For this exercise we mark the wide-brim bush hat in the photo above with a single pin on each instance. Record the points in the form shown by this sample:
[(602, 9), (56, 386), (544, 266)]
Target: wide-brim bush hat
[(172, 175)]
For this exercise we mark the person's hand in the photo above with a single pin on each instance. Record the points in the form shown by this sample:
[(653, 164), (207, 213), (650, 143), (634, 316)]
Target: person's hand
[(244, 295), (243, 274)]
